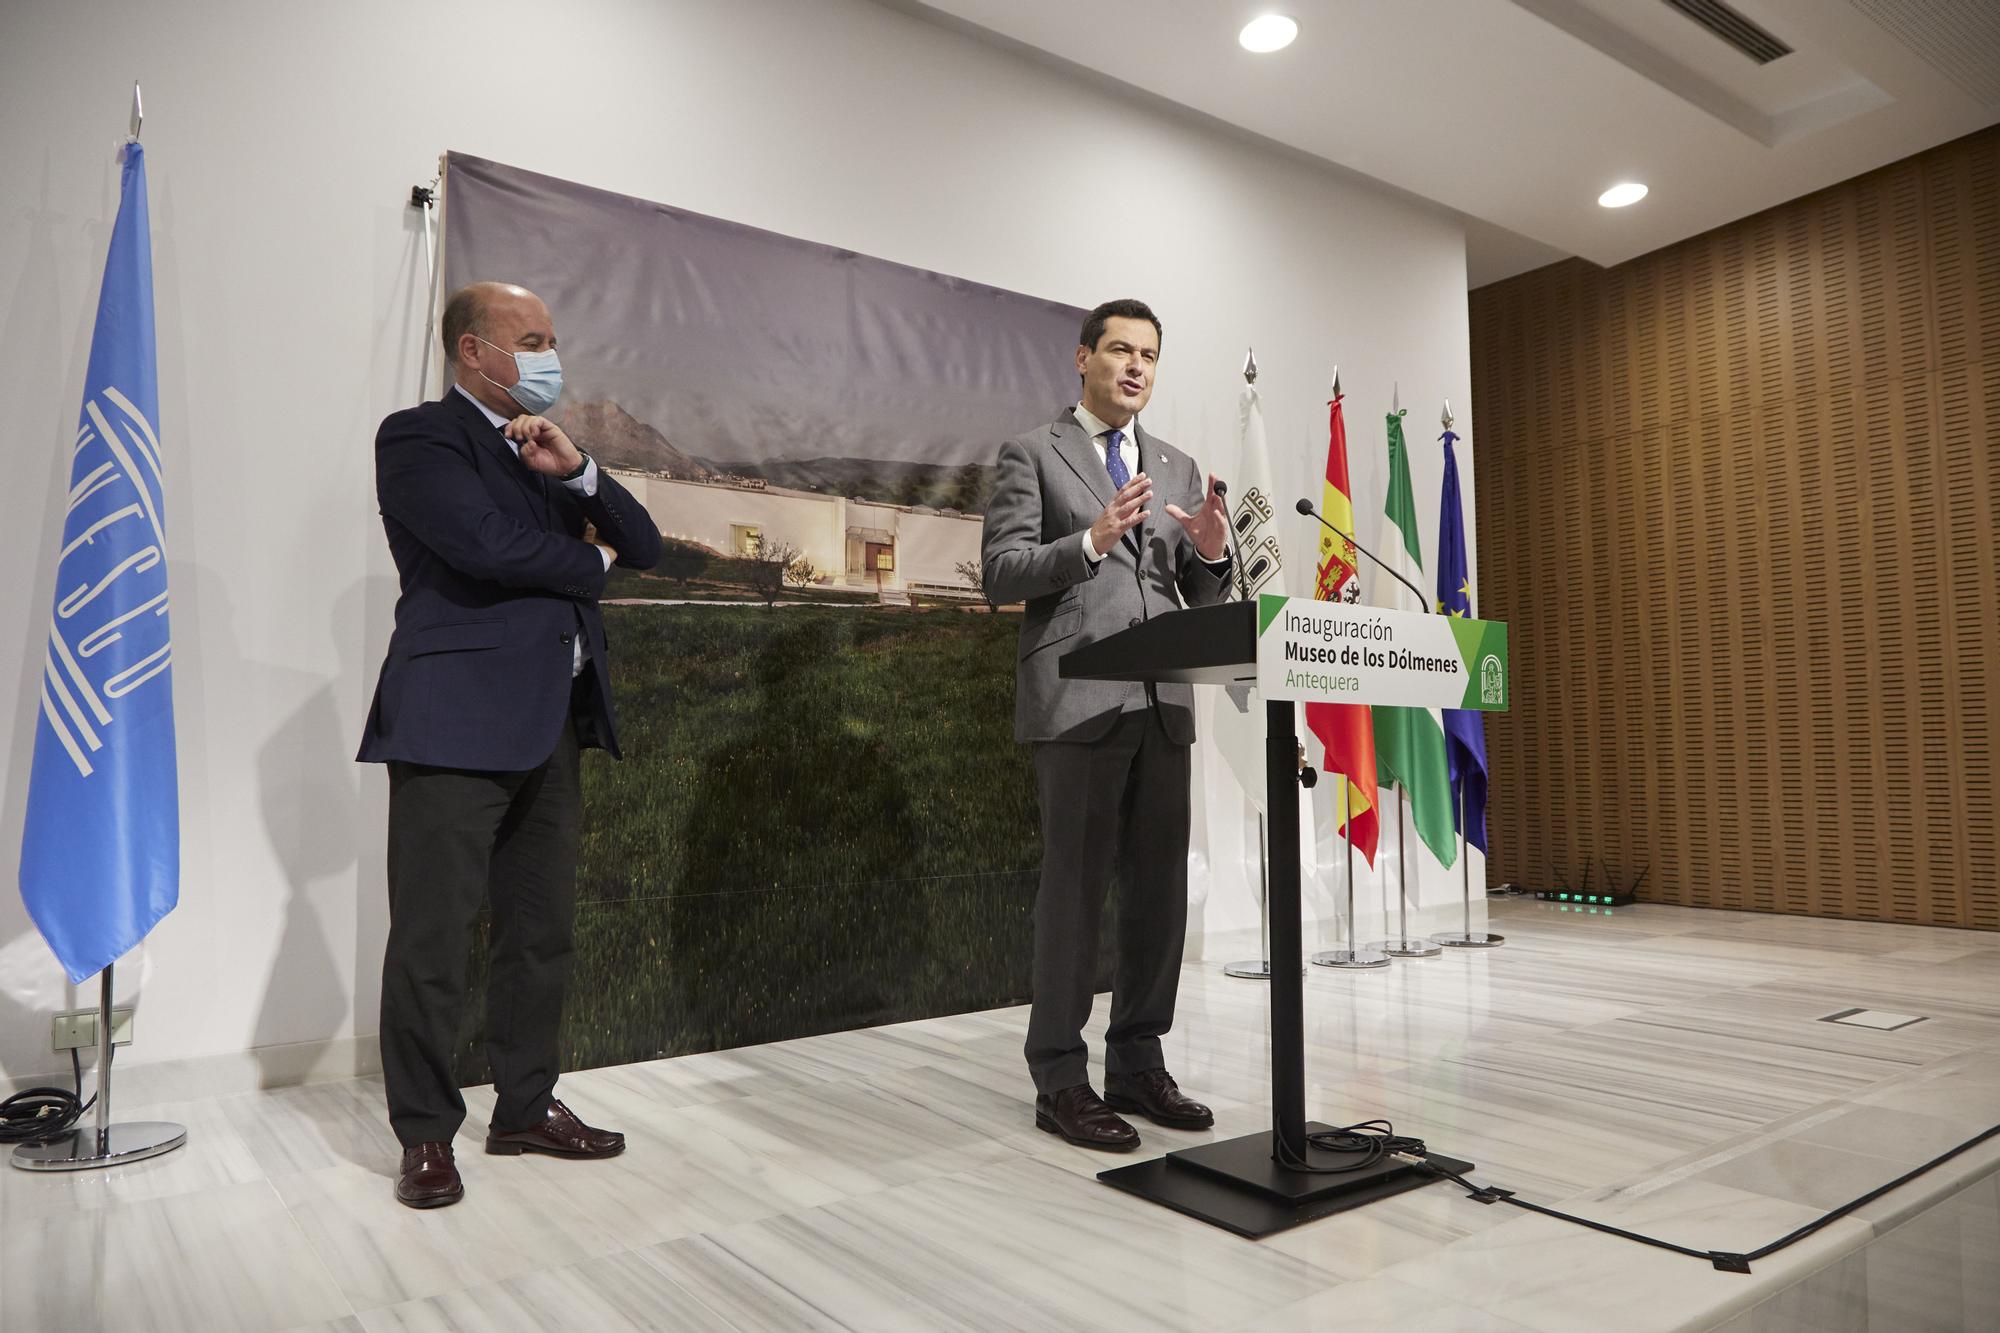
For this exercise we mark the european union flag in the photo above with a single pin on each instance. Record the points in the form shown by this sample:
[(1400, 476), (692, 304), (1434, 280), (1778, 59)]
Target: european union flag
[(1464, 732), (101, 853)]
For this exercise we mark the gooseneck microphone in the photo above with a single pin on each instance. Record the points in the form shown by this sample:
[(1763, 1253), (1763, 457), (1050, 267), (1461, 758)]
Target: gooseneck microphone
[(1235, 548), (1306, 507)]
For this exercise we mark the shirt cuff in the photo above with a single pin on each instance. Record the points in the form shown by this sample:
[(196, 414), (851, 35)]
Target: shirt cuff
[(1220, 562), (586, 484), (1089, 551), (607, 556)]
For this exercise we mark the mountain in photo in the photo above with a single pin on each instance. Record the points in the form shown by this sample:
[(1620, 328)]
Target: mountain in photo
[(965, 487), (616, 438)]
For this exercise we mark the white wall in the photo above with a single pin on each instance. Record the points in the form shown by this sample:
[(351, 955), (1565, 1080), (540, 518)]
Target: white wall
[(283, 141)]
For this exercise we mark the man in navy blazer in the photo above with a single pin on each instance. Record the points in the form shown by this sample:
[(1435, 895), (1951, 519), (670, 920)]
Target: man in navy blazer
[(496, 680)]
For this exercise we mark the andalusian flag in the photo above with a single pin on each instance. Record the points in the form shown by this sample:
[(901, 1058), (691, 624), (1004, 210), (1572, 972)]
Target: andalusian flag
[(1409, 742), (1344, 729), (1464, 728)]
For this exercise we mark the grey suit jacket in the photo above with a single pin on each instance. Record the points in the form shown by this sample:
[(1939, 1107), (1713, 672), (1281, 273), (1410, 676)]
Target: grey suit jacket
[(1051, 486)]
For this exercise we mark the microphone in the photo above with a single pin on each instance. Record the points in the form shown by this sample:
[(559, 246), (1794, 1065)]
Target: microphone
[(1306, 507), (1235, 546)]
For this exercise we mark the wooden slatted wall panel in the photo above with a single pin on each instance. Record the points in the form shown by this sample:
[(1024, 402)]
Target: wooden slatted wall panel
[(1738, 501)]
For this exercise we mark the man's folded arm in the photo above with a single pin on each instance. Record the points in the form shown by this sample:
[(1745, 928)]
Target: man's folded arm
[(622, 523), (434, 491)]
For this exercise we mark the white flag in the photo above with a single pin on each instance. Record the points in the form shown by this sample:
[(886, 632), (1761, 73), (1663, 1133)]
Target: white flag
[(1239, 711)]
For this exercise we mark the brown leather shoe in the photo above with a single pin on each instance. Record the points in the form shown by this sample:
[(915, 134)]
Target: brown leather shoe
[(560, 1134), (429, 1178), (1080, 1115), (1154, 1094)]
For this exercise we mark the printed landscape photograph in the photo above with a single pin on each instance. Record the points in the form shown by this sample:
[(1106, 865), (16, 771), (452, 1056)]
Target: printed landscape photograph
[(822, 821)]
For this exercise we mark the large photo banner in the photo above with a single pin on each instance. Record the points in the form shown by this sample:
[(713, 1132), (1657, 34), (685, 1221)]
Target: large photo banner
[(822, 821)]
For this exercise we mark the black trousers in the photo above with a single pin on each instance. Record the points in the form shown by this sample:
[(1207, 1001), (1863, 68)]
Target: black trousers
[(1120, 803), (456, 838)]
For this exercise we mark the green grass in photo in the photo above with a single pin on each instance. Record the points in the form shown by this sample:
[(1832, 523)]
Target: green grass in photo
[(822, 822)]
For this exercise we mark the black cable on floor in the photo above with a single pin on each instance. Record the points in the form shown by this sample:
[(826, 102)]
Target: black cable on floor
[(1372, 1140), (1727, 1261), (36, 1115)]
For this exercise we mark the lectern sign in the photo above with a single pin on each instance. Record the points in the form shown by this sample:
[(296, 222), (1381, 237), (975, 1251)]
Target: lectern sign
[(1334, 652)]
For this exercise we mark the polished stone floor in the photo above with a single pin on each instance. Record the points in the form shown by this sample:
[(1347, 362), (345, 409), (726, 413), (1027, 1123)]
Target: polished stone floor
[(1661, 1069)]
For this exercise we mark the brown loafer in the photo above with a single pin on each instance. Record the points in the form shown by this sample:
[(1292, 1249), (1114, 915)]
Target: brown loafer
[(1079, 1115), (1154, 1094), (429, 1178), (560, 1134)]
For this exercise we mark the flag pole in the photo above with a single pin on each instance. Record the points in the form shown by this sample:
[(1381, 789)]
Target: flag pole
[(104, 1017), (1351, 956), (1258, 968), (1403, 944), (107, 1144), (1467, 938)]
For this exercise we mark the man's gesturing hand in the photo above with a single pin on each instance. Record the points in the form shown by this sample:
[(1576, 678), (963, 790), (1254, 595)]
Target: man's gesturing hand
[(1208, 526), (1126, 511)]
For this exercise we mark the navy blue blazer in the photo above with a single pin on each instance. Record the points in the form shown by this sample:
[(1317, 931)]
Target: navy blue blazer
[(497, 582)]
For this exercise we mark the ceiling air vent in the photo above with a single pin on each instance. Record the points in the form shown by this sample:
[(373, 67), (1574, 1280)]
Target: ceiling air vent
[(1734, 28)]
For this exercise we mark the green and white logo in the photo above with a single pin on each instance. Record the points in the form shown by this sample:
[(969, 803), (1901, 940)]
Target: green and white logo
[(1492, 680)]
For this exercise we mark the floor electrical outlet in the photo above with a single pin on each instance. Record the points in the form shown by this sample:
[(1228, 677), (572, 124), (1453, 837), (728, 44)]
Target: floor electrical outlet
[(77, 1029)]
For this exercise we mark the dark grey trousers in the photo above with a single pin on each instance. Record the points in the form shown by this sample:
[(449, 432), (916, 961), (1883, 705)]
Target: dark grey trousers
[(457, 837), (1116, 803)]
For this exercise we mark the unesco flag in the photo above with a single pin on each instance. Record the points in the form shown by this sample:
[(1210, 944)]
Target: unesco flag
[(100, 855)]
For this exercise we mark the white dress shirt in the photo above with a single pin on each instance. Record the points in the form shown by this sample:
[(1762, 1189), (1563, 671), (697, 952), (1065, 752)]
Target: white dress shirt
[(586, 484), (1128, 450)]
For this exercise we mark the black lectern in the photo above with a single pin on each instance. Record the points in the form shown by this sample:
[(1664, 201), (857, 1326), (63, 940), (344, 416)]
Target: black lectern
[(1251, 1185)]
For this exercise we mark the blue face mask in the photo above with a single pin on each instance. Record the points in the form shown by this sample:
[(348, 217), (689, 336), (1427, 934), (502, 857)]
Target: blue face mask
[(540, 382)]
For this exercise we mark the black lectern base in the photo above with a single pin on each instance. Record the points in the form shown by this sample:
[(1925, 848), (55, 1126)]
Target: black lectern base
[(1235, 1184)]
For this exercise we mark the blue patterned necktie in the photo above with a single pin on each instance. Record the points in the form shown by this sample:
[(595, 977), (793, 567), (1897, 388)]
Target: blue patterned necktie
[(1114, 459)]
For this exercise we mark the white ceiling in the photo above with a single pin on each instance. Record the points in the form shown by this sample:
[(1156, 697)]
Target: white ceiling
[(1518, 113)]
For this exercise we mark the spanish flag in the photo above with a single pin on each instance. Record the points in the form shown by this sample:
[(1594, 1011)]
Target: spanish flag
[(1346, 730)]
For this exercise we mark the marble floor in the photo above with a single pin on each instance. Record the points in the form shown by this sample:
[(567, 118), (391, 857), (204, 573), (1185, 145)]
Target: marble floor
[(1662, 1069)]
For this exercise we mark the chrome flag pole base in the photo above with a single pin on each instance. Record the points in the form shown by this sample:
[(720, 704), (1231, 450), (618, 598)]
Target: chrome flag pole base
[(1469, 939), (1406, 947), (1351, 958), (86, 1149), (1253, 969)]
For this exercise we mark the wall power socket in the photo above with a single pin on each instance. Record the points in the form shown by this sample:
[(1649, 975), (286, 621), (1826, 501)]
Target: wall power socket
[(77, 1028)]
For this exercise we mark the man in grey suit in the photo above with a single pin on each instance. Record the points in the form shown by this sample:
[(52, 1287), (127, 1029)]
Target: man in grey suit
[(1070, 532)]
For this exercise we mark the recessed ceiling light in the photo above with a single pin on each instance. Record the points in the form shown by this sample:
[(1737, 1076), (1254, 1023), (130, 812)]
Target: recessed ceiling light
[(1631, 192), (1268, 33)]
